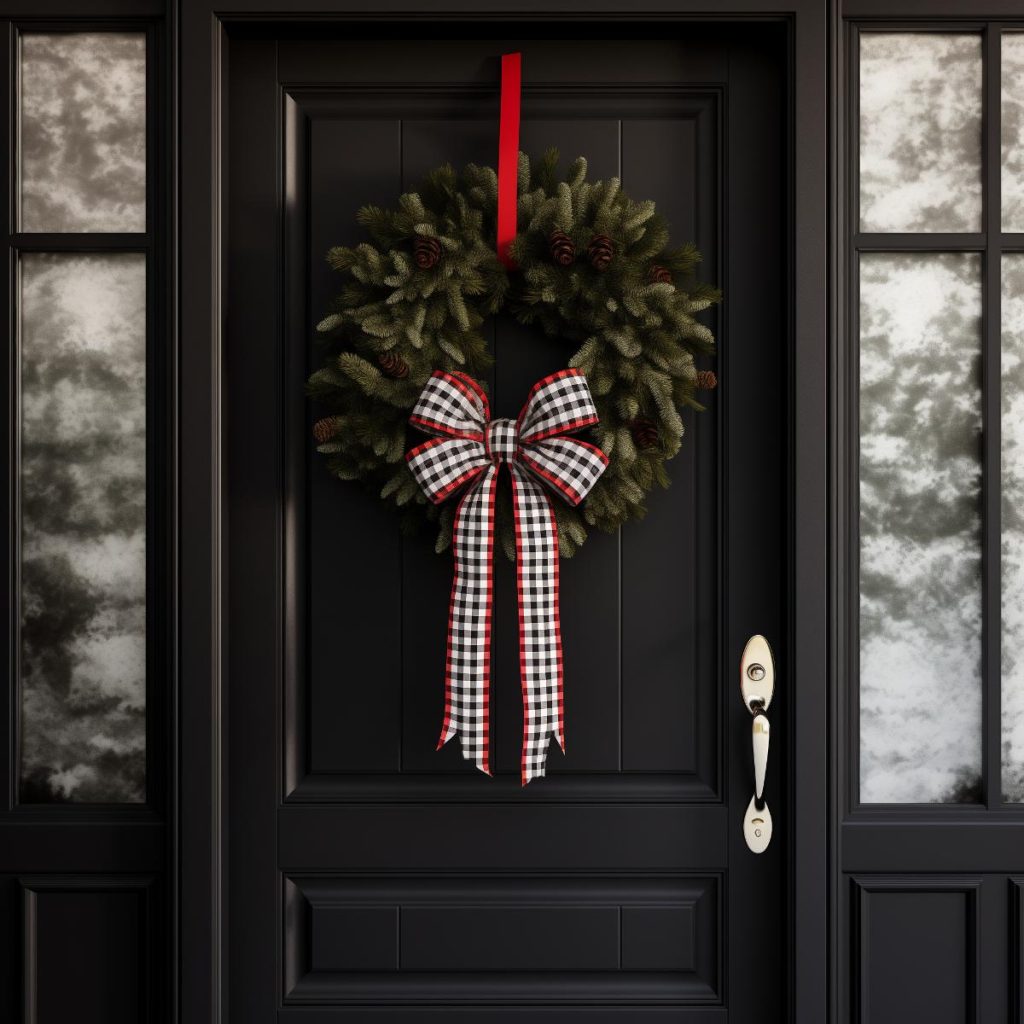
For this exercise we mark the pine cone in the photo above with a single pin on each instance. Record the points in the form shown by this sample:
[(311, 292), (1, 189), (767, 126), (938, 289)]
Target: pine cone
[(393, 365), (601, 250), (645, 433), (562, 249), (426, 252), (658, 275), (323, 429), (706, 380)]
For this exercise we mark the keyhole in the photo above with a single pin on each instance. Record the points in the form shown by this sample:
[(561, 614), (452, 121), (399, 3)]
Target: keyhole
[(755, 672)]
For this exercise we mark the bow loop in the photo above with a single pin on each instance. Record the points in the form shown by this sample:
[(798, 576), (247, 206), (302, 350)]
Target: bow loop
[(567, 465), (444, 464), (558, 404), (454, 408), (452, 405)]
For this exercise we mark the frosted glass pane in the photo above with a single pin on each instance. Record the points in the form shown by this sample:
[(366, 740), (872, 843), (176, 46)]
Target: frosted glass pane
[(920, 528), (920, 131), (1012, 131), (1013, 527), (83, 131), (83, 519)]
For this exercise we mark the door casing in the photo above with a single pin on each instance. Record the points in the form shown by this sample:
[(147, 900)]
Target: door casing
[(202, 32)]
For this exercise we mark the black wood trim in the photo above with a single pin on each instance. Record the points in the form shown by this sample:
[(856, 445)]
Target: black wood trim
[(1016, 960), (85, 242), (848, 466), (170, 312), (199, 44), (903, 12), (256, 14), (297, 783), (162, 500), (74, 13), (991, 431), (926, 24), (560, 99), (253, 594), (920, 242), (836, 587), (524, 989), (9, 376), (962, 812), (902, 846), (596, 787), (160, 425), (808, 684), (310, 837), (95, 846), (494, 1015)]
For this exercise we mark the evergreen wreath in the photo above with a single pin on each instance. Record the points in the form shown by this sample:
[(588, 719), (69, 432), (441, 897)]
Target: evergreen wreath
[(594, 272)]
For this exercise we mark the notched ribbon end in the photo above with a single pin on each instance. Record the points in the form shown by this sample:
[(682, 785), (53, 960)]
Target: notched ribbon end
[(540, 771), (467, 753)]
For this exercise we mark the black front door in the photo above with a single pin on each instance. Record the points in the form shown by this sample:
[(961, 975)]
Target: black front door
[(370, 876)]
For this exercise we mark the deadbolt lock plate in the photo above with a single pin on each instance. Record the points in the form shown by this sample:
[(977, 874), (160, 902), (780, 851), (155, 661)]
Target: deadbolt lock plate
[(757, 673)]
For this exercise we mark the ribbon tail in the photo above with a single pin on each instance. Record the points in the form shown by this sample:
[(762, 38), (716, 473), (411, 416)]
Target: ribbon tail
[(468, 660), (540, 632)]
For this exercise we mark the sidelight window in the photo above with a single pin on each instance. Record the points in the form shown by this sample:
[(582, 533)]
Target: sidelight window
[(920, 525), (919, 266), (936, 267), (81, 256)]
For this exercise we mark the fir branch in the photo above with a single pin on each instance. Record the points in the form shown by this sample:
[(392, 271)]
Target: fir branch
[(634, 337)]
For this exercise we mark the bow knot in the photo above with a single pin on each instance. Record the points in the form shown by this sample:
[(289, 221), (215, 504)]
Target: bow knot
[(466, 451), (502, 440)]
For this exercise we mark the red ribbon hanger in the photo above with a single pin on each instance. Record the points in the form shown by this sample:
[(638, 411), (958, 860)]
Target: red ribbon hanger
[(508, 155)]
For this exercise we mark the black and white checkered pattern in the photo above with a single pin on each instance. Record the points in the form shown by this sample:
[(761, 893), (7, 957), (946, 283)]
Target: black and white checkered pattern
[(468, 660), (540, 633), (452, 405), (467, 451), (558, 404)]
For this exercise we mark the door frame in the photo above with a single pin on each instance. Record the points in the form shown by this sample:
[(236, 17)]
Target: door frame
[(877, 847), (201, 29)]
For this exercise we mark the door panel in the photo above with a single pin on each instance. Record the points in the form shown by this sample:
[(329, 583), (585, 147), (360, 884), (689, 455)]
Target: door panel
[(634, 686), (517, 939), (396, 875), (918, 949)]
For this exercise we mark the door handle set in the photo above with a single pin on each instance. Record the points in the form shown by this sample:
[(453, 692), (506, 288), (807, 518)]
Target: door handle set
[(757, 686)]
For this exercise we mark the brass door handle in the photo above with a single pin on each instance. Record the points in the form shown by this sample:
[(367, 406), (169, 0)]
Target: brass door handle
[(761, 734), (757, 685)]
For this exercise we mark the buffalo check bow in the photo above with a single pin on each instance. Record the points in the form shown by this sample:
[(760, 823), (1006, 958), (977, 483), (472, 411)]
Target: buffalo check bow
[(467, 451)]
